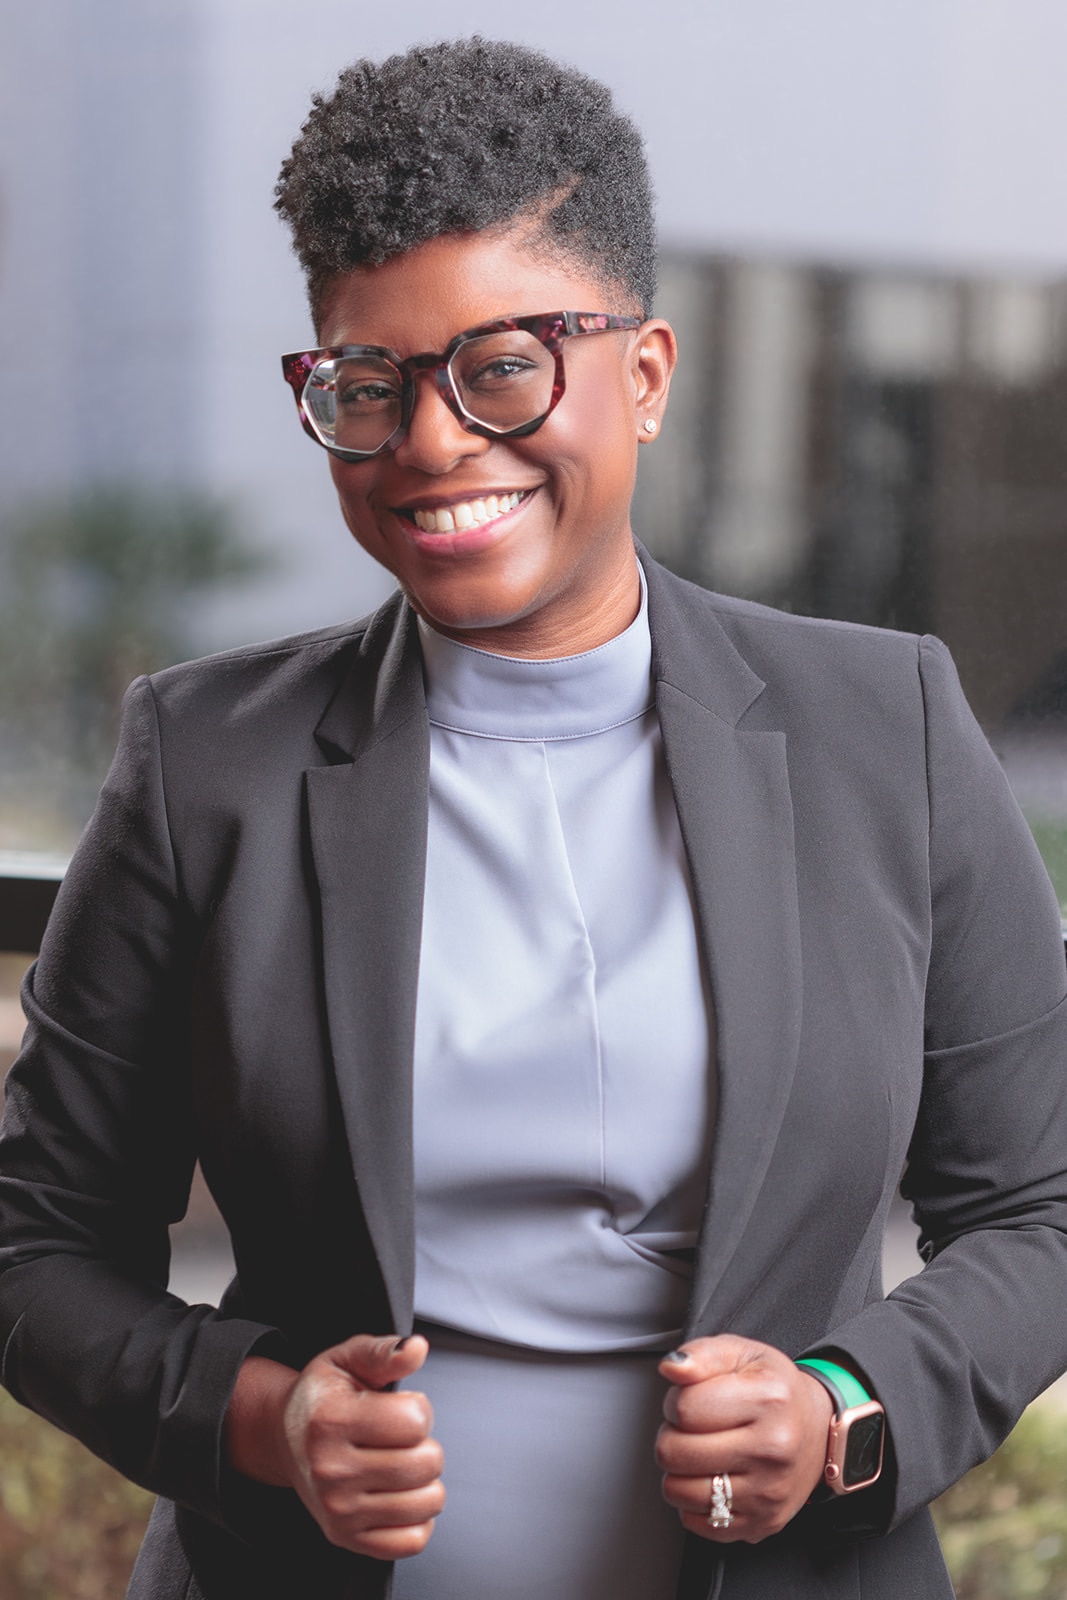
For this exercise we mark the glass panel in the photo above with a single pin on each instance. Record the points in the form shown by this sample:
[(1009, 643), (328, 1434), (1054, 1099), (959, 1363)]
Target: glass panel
[(883, 448)]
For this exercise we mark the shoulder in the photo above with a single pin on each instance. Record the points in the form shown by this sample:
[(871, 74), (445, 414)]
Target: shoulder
[(252, 714), (702, 638), (229, 675), (770, 630), (278, 681)]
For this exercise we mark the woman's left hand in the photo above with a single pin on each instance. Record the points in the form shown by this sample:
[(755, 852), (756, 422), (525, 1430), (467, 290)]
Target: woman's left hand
[(741, 1408)]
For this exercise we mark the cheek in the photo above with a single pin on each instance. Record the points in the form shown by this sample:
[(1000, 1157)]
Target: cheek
[(354, 487), (598, 443)]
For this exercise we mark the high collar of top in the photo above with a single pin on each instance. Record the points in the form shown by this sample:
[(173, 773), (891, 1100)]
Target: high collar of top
[(567, 697)]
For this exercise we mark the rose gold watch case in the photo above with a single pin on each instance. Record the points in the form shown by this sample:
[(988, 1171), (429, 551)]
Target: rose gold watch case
[(837, 1448)]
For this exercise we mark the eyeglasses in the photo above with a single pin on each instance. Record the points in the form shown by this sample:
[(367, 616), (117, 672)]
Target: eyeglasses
[(500, 379)]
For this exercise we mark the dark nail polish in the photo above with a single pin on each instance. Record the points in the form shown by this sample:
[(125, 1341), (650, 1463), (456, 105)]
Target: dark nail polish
[(680, 1356)]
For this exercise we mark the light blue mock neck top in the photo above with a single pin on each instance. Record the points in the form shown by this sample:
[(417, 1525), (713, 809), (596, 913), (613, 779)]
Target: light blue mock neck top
[(562, 1040), (562, 1118)]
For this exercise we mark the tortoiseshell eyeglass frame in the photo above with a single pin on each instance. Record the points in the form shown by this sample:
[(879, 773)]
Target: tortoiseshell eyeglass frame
[(550, 328)]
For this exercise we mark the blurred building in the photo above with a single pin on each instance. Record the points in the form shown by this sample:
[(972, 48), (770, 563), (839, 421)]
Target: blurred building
[(884, 446), (869, 419), (102, 270)]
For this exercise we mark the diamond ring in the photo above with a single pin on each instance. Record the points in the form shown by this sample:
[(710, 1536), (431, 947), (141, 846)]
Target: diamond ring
[(721, 1511)]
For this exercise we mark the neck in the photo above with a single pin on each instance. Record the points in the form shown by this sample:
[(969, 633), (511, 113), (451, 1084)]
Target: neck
[(562, 626)]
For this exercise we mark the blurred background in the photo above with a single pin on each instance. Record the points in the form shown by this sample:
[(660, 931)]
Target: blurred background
[(865, 254), (864, 235)]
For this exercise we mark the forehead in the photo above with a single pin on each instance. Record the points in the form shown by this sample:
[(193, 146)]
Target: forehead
[(419, 301)]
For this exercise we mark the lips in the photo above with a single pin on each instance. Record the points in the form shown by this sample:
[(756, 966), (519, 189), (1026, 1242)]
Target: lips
[(459, 515)]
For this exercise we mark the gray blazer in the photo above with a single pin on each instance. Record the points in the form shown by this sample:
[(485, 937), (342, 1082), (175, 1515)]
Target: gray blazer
[(230, 974)]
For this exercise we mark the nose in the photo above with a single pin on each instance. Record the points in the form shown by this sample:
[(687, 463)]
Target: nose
[(435, 440)]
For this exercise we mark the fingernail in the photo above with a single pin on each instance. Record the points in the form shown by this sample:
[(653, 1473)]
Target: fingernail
[(400, 1343), (681, 1356)]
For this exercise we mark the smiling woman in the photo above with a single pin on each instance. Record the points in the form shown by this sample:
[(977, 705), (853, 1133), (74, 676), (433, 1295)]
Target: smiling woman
[(555, 571), (552, 973)]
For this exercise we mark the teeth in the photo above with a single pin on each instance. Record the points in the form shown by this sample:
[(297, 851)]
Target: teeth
[(467, 514)]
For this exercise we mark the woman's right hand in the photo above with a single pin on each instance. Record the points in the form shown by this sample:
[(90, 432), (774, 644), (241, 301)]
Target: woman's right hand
[(360, 1458)]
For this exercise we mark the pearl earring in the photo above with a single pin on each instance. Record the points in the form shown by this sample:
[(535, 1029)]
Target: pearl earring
[(651, 425)]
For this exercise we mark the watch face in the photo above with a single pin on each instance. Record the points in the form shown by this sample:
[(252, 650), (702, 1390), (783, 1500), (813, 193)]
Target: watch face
[(863, 1451)]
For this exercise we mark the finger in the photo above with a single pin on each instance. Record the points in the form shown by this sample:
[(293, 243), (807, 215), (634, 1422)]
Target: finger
[(414, 1506), (695, 1455), (750, 1520), (386, 1526), (727, 1401), (739, 1529), (391, 1544), (348, 1512), (365, 1419), (378, 1362), (693, 1495), (699, 1359), (395, 1471)]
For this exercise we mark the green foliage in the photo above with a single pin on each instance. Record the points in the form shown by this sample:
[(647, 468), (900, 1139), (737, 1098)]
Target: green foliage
[(95, 589), (101, 583), (1051, 840), (69, 1525), (1004, 1526)]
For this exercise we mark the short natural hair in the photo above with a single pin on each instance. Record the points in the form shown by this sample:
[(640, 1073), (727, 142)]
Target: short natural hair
[(463, 136)]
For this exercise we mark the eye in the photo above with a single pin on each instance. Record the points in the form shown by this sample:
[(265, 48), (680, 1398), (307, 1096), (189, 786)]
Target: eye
[(500, 367), (498, 372), (365, 395), (362, 384)]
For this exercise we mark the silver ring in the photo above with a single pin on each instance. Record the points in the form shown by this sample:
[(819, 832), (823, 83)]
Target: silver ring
[(721, 1511)]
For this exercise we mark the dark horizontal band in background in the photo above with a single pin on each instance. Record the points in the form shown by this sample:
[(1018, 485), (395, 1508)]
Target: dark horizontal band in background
[(26, 898)]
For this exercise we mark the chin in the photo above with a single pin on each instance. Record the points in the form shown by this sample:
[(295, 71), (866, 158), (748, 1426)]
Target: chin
[(469, 612)]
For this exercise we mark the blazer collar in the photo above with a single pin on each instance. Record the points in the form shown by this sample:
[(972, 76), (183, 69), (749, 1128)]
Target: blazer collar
[(690, 648), (368, 816), (382, 688)]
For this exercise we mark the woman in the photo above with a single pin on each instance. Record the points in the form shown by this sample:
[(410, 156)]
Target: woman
[(562, 962)]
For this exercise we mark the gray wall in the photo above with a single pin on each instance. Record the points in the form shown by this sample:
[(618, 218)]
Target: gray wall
[(140, 139)]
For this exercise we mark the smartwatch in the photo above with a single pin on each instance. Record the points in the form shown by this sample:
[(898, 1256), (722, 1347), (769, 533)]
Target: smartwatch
[(856, 1441)]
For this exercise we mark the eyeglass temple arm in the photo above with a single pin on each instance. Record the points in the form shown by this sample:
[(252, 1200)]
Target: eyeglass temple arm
[(598, 322)]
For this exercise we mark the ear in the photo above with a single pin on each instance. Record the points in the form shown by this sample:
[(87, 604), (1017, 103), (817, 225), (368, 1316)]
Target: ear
[(655, 353)]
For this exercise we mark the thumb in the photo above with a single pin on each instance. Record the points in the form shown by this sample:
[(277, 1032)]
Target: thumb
[(377, 1363), (699, 1359)]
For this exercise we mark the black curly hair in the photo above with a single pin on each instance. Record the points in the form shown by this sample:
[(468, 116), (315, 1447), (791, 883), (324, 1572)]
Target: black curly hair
[(469, 135)]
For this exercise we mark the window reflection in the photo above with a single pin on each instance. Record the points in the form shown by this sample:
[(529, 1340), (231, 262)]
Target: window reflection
[(885, 448)]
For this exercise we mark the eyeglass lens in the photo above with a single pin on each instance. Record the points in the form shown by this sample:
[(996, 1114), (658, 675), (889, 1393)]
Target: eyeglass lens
[(501, 380)]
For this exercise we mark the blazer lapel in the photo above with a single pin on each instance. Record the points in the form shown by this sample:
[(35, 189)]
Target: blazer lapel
[(731, 787), (367, 817)]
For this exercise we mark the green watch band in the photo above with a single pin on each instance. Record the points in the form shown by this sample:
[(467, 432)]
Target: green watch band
[(847, 1385)]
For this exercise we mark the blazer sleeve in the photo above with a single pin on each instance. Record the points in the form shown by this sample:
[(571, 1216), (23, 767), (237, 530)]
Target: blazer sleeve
[(957, 1352), (97, 1153)]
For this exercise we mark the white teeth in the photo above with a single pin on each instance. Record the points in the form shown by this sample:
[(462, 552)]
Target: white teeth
[(466, 513)]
